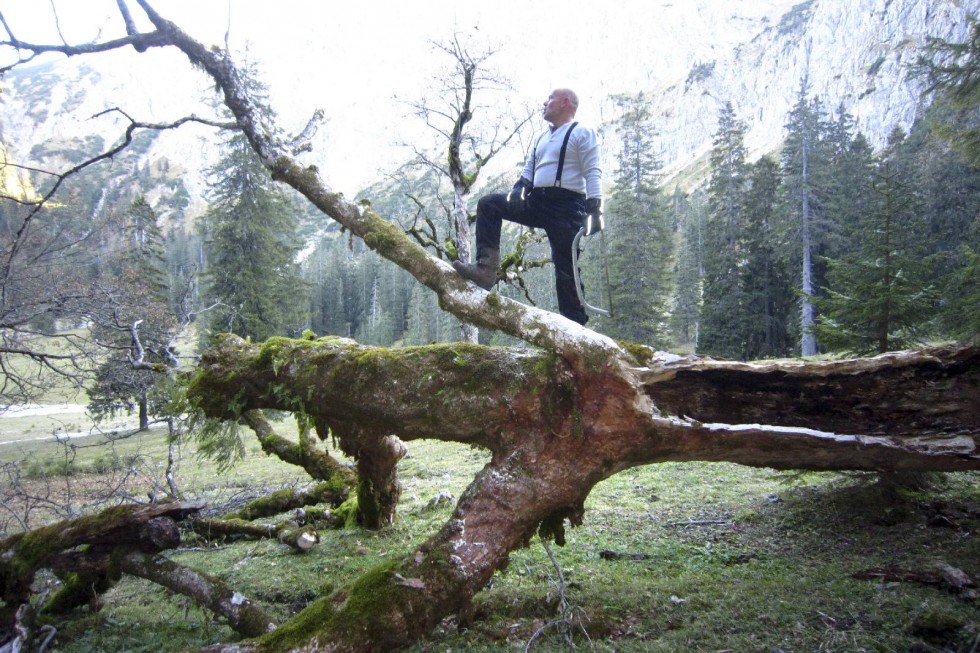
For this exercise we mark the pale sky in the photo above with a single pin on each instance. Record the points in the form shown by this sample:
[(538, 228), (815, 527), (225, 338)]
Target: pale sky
[(361, 60)]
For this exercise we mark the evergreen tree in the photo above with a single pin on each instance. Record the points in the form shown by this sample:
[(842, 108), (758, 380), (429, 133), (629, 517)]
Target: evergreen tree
[(849, 180), (137, 304), (953, 70), (804, 166), (961, 314), (640, 241), (688, 269), (724, 319), (250, 233), (879, 297), (766, 282)]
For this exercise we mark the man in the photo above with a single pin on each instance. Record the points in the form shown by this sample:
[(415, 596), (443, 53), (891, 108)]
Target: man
[(560, 183)]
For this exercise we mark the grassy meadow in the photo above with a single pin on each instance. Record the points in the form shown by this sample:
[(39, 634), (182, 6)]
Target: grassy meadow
[(672, 557)]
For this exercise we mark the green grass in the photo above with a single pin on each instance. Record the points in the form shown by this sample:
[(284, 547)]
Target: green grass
[(735, 558)]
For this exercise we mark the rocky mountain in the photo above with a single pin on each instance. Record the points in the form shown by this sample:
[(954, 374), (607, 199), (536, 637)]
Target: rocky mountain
[(689, 56), (855, 54)]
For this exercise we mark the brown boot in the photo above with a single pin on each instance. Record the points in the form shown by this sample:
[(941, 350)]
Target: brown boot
[(484, 272)]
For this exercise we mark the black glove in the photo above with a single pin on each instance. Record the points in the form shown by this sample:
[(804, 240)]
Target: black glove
[(593, 215), (517, 197)]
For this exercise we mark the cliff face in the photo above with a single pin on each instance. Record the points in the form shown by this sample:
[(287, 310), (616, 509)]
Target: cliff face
[(854, 54), (689, 56)]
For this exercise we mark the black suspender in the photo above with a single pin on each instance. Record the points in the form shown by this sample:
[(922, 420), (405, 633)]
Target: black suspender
[(561, 155)]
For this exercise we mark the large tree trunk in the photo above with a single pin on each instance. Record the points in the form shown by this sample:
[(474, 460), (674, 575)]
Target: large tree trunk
[(556, 430)]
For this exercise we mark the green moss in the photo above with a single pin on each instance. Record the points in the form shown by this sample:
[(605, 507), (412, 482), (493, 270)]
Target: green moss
[(32, 548), (346, 611), (347, 512), (641, 354), (77, 590), (273, 504)]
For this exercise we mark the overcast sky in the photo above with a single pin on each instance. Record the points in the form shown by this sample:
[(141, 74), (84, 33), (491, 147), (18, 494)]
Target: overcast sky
[(361, 60)]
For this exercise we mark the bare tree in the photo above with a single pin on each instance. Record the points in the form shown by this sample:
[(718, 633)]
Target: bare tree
[(559, 417), (46, 251), (473, 133)]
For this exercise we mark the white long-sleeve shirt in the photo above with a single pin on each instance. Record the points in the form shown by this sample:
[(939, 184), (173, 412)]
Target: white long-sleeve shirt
[(581, 171)]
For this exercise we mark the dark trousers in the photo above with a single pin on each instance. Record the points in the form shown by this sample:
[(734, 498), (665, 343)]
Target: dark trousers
[(559, 213)]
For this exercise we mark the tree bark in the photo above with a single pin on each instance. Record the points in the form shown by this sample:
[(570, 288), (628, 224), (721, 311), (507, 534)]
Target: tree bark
[(88, 574), (243, 615)]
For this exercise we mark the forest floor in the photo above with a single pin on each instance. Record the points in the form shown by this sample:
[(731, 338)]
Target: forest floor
[(674, 557)]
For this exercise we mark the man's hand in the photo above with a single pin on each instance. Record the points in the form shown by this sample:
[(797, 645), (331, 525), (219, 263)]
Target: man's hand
[(517, 197), (593, 218), (520, 190)]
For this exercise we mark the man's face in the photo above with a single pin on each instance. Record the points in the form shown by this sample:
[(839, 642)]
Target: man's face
[(553, 106)]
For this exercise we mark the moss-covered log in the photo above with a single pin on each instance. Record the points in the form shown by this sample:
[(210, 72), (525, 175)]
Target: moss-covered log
[(23, 554), (319, 464), (556, 432), (302, 538), (286, 500)]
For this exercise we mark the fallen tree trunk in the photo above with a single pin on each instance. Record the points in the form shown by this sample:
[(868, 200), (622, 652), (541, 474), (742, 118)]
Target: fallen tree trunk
[(91, 553), (243, 615), (302, 538), (138, 527), (282, 501), (555, 431)]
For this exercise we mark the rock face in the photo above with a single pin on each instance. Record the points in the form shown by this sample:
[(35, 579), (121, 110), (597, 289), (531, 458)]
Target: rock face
[(690, 56), (855, 54)]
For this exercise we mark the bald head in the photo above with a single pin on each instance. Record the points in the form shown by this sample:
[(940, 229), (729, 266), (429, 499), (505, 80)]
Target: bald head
[(568, 93), (560, 107)]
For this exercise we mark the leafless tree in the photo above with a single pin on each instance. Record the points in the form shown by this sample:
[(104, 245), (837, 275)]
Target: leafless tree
[(47, 248), (470, 126)]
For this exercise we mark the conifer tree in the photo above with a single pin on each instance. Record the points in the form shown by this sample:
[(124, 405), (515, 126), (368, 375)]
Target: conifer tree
[(250, 233), (879, 297), (723, 310), (804, 169), (953, 70), (849, 181), (766, 281), (136, 321), (640, 241), (688, 269)]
